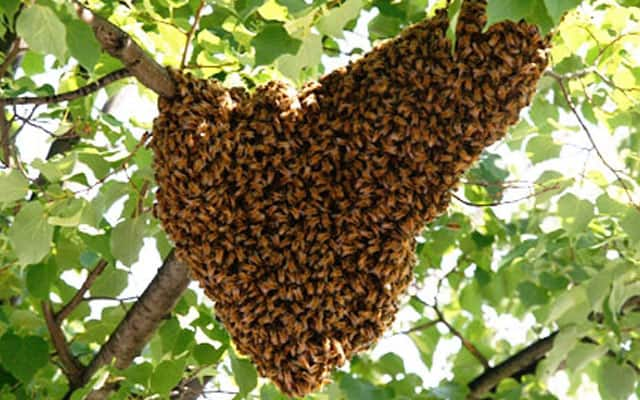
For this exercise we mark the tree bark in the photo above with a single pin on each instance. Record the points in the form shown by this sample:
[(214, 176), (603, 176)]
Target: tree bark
[(121, 46), (520, 361), (142, 320)]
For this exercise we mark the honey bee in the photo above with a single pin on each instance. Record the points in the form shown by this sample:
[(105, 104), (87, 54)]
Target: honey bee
[(297, 212)]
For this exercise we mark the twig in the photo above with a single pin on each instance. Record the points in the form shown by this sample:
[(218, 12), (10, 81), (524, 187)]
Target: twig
[(71, 366), (190, 388), (27, 121), (79, 296), (420, 327), (611, 43), (467, 344), (504, 202), (187, 44), (203, 66), (72, 95), (142, 193), (123, 165), (4, 136), (106, 298), (572, 107), (13, 53)]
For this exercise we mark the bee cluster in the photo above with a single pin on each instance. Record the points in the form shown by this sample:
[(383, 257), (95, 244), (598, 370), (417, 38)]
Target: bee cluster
[(297, 212)]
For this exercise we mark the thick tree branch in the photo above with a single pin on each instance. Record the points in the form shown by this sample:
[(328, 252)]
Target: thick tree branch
[(120, 45), (72, 95), (510, 367), (142, 320), (79, 296), (71, 366)]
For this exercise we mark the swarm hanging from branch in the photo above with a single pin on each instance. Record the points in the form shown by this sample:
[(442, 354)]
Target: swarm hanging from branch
[(298, 212)]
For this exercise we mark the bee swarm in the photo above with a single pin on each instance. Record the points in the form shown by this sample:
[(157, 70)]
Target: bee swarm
[(297, 213)]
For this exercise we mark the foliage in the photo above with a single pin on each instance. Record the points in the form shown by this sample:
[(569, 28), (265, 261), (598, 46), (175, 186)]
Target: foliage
[(544, 234)]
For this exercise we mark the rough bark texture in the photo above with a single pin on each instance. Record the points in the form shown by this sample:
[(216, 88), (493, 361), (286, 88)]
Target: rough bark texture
[(121, 46), (142, 320), (522, 360)]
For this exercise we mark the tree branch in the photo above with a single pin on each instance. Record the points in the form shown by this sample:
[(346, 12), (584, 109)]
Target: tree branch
[(471, 348), (5, 140), (72, 95), (141, 321), (8, 60), (187, 44), (78, 297), (71, 366), (503, 202), (191, 389), (120, 45), (510, 367), (560, 80)]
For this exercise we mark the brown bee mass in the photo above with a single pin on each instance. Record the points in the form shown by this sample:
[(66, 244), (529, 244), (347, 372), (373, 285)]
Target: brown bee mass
[(297, 212)]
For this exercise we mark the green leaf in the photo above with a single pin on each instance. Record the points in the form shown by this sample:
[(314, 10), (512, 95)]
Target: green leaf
[(269, 392), (616, 381), (110, 283), (450, 391), (166, 375), (426, 341), (206, 354), (514, 10), (334, 21), (30, 234), (39, 279), (13, 186), (273, 41), (43, 31), (245, 374), (309, 55), (391, 364), (576, 213), (531, 294), (244, 8), (55, 170), (358, 389), (557, 8), (541, 148), (82, 44), (583, 354), (139, 373), (126, 240), (384, 26), (67, 212), (630, 225), (454, 13), (23, 355)]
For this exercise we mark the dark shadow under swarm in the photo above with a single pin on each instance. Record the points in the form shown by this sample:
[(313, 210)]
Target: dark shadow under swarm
[(297, 212)]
